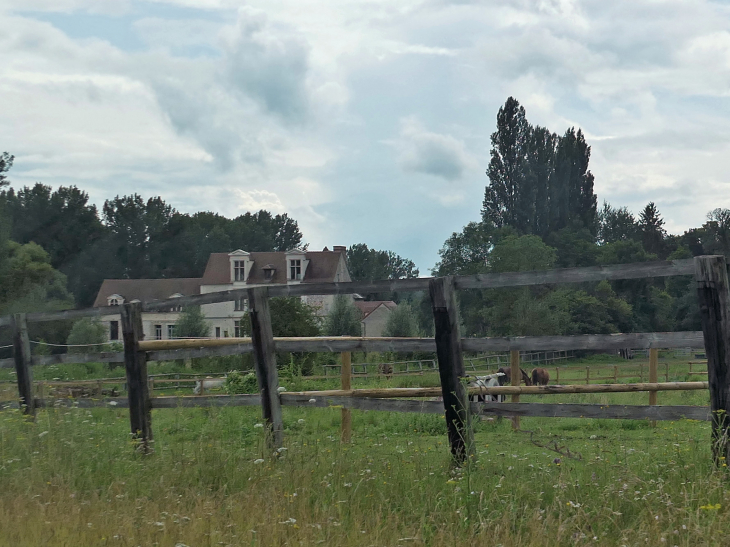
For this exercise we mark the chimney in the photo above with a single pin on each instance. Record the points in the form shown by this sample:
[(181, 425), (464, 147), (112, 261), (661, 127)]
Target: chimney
[(339, 249)]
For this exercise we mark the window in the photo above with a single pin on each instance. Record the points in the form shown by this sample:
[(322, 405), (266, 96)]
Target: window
[(171, 331), (295, 269), (113, 330), (225, 333), (238, 333), (269, 273), (158, 332), (240, 304), (113, 302), (217, 332), (239, 270)]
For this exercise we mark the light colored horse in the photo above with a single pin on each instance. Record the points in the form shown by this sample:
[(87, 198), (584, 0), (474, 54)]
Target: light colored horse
[(207, 384), (491, 380)]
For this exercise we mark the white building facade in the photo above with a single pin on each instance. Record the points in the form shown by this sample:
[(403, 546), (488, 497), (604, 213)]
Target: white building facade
[(224, 271)]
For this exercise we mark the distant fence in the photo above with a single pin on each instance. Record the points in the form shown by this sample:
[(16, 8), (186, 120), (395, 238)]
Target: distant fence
[(710, 274)]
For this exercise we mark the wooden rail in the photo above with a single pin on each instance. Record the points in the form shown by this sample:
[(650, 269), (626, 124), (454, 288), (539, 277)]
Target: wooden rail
[(641, 270), (541, 410)]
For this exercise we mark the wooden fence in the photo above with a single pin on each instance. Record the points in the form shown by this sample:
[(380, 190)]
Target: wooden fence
[(710, 274)]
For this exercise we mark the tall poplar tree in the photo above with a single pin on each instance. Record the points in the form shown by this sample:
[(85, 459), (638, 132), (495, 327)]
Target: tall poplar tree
[(506, 200)]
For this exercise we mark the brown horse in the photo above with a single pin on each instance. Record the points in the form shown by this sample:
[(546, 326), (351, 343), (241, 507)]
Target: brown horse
[(507, 378), (540, 376), (386, 369)]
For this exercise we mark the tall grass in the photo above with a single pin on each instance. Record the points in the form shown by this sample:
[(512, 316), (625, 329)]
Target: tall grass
[(73, 478)]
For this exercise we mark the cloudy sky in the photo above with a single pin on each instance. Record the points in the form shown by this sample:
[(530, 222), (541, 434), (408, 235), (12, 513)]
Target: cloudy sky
[(365, 120)]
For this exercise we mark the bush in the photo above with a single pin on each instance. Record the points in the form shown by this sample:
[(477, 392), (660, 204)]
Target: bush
[(238, 382), (87, 331)]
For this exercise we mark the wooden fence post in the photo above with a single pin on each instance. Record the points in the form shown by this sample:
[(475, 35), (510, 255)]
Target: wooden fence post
[(346, 375), (516, 376), (262, 338), (588, 375), (714, 301), (451, 367), (135, 365), (653, 377), (615, 373), (557, 375), (22, 356)]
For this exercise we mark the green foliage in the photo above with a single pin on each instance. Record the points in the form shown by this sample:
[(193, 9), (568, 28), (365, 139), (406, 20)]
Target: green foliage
[(401, 322), (369, 264), (521, 254), (538, 182), (343, 318), (241, 382), (292, 317), (6, 162), (87, 331), (467, 252), (616, 224), (192, 324)]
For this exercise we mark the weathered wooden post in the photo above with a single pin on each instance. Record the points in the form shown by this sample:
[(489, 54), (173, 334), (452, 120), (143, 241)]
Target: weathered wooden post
[(264, 353), (22, 356), (516, 376), (451, 367), (346, 375), (714, 300), (588, 375), (653, 377), (135, 365)]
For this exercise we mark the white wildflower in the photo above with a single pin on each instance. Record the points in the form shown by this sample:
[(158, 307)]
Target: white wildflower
[(312, 400), (280, 389), (258, 425), (260, 460), (42, 433), (300, 421)]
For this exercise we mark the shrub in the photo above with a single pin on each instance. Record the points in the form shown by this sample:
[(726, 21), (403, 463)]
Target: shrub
[(239, 382)]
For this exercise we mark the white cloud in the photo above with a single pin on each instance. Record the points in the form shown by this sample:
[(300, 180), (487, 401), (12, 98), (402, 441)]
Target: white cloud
[(422, 151)]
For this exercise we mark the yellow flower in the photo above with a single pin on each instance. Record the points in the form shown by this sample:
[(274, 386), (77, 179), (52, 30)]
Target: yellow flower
[(710, 507)]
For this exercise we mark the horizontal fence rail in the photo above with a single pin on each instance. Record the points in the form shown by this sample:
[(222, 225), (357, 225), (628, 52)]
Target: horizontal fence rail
[(541, 410), (641, 270), (169, 350)]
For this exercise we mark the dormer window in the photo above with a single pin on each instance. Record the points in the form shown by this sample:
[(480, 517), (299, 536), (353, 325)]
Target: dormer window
[(115, 300), (296, 263), (240, 265), (269, 272), (239, 270), (295, 269)]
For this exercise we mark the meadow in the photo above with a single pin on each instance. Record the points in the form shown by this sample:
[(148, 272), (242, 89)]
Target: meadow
[(72, 477)]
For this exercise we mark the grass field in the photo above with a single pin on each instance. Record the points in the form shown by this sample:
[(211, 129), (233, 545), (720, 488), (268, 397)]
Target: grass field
[(73, 478)]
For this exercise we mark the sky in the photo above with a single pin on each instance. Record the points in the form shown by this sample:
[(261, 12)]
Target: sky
[(367, 121)]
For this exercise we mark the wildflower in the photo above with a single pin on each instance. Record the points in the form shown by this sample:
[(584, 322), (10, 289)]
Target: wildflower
[(258, 425), (710, 507), (312, 400), (280, 389), (113, 403), (573, 505), (42, 434), (260, 460), (300, 421)]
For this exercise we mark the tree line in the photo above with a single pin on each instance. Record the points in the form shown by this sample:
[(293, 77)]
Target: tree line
[(540, 212)]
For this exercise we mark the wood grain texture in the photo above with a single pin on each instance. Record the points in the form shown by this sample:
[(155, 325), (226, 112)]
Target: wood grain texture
[(22, 357), (135, 365), (713, 293), (451, 368), (264, 351), (346, 384)]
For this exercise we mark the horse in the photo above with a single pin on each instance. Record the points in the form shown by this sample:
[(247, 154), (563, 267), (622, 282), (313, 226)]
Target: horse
[(208, 383), (540, 376), (506, 379), (386, 369), (492, 380)]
